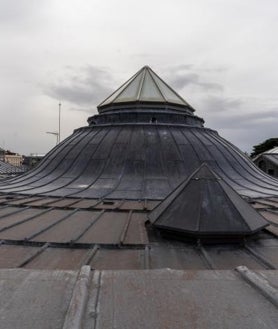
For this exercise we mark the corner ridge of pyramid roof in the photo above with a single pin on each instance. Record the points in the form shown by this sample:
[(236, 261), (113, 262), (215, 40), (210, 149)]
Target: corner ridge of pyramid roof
[(145, 86)]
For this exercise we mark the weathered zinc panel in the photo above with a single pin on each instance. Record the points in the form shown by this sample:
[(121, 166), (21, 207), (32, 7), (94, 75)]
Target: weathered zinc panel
[(68, 230), (118, 259), (136, 299), (178, 299), (223, 258), (136, 231), (167, 256), (107, 229), (17, 219), (12, 256), (34, 299), (58, 258), (36, 222)]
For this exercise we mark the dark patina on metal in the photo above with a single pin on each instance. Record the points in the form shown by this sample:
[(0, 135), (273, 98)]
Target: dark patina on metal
[(206, 207)]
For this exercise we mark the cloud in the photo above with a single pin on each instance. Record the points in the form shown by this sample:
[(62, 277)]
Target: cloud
[(80, 109), (182, 81), (13, 9), (232, 113), (246, 137), (183, 67), (217, 104), (86, 86), (142, 55), (239, 120), (218, 69), (186, 74), (15, 12), (235, 121), (251, 118)]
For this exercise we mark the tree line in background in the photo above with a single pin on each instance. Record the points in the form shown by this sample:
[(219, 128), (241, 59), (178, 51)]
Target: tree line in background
[(264, 146)]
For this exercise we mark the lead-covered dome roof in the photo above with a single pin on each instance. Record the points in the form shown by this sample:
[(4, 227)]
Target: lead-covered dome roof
[(142, 144)]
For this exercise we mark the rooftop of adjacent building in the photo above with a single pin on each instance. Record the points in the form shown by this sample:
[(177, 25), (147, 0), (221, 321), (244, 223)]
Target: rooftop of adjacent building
[(272, 151)]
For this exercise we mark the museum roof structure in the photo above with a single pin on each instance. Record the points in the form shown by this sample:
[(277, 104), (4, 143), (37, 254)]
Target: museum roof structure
[(131, 195)]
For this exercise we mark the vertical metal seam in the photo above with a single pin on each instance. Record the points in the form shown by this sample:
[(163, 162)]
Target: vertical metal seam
[(88, 227), (141, 85), (33, 256), (25, 220), (51, 225), (125, 227)]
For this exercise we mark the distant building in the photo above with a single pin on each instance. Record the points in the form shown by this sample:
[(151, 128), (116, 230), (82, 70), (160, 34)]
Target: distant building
[(268, 161), (32, 160), (12, 158)]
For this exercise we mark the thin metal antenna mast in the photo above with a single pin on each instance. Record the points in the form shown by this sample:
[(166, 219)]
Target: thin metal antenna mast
[(55, 134), (59, 131)]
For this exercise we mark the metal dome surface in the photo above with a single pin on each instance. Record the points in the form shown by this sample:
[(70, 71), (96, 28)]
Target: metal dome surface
[(142, 153)]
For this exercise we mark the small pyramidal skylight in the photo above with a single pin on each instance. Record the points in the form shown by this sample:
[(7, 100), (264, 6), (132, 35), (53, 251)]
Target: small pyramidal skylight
[(205, 205), (145, 86)]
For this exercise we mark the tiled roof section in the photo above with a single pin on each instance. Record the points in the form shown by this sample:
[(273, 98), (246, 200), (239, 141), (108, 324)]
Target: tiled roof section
[(8, 169), (204, 204), (145, 86)]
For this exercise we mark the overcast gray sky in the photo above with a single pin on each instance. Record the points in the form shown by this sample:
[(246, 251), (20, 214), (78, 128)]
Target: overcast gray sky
[(220, 55)]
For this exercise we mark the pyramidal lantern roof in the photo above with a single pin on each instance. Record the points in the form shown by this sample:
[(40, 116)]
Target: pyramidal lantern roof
[(205, 205), (145, 86)]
